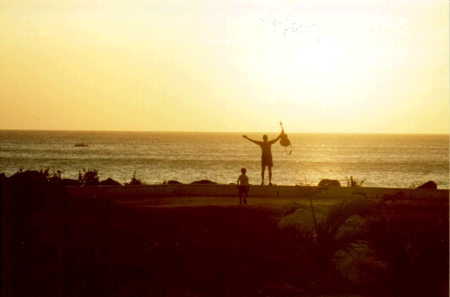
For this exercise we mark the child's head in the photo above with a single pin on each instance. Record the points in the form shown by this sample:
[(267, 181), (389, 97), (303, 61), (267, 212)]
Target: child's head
[(243, 170)]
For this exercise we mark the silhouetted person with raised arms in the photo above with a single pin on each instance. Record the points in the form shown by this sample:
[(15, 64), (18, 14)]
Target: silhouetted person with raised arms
[(266, 157)]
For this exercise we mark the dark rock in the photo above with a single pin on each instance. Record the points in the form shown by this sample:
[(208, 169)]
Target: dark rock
[(110, 182), (29, 176), (67, 182), (428, 185), (174, 182), (329, 183), (203, 182)]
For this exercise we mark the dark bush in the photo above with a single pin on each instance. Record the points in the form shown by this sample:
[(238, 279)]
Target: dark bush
[(134, 181), (89, 177)]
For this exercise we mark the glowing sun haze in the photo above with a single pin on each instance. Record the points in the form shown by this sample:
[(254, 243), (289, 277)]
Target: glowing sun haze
[(319, 66)]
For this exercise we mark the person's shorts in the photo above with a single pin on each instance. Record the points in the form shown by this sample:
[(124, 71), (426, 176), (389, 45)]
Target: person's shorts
[(243, 189), (266, 160)]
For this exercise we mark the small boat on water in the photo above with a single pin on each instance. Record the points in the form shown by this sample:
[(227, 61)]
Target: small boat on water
[(81, 144)]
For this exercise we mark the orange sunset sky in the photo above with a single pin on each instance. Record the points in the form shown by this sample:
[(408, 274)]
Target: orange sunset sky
[(344, 66)]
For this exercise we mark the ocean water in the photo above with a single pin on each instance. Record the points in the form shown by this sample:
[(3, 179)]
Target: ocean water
[(383, 160)]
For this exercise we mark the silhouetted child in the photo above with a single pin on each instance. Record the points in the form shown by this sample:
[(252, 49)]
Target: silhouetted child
[(243, 186)]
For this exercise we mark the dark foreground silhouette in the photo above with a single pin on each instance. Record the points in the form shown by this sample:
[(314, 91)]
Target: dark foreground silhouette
[(57, 245)]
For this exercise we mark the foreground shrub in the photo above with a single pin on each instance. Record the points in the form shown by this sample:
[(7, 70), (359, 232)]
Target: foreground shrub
[(134, 181), (54, 177), (89, 177), (353, 182), (338, 241)]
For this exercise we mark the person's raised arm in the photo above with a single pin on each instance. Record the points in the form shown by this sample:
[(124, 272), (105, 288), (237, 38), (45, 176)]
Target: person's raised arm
[(254, 141), (279, 136)]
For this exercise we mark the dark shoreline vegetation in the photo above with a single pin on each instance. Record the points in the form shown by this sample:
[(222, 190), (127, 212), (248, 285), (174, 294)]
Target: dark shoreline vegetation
[(90, 177), (66, 246)]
